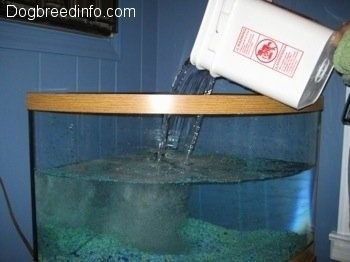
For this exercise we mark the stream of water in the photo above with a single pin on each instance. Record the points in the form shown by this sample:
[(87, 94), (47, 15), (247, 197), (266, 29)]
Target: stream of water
[(181, 132)]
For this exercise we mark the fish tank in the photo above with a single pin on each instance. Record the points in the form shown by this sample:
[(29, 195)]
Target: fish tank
[(172, 177)]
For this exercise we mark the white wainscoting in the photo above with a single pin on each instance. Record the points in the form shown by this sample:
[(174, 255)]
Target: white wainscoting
[(340, 239)]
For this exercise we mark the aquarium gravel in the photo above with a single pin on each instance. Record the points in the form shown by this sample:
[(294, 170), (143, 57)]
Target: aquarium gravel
[(205, 241)]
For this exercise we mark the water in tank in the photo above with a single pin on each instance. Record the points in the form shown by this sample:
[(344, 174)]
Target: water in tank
[(155, 187)]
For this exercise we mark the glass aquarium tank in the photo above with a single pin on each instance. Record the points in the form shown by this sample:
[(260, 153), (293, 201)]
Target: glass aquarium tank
[(151, 177)]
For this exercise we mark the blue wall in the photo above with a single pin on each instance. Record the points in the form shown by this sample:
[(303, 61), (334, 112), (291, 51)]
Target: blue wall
[(143, 56)]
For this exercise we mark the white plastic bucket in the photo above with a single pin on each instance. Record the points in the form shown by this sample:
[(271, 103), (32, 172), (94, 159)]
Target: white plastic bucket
[(265, 48)]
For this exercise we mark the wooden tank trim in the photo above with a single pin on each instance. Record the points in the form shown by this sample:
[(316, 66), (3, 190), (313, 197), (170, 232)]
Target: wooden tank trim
[(306, 256), (122, 103)]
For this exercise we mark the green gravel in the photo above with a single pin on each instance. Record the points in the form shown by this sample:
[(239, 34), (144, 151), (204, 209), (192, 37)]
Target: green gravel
[(205, 242)]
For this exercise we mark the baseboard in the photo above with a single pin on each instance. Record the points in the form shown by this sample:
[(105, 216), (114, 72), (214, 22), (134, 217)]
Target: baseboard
[(340, 247)]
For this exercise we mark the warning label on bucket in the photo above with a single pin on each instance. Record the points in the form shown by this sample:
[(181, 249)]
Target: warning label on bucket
[(269, 52)]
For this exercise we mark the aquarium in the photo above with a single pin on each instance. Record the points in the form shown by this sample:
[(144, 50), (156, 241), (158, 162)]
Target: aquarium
[(127, 177)]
